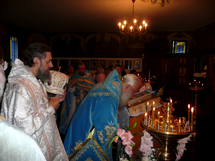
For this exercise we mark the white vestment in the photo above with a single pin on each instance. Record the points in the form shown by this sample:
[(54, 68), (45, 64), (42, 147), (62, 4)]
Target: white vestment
[(16, 145), (26, 105), (2, 81)]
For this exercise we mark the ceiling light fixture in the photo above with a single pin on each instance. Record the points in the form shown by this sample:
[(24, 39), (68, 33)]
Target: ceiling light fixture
[(161, 2), (132, 29)]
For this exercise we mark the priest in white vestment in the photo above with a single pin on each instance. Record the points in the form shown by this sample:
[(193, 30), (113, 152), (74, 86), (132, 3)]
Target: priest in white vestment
[(26, 105)]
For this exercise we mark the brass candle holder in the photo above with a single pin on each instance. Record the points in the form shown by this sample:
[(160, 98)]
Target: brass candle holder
[(168, 130)]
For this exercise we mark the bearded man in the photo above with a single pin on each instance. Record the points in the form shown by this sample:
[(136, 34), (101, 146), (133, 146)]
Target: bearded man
[(96, 117), (25, 102), (79, 85)]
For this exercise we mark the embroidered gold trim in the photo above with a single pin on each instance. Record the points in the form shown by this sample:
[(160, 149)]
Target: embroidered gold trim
[(85, 148)]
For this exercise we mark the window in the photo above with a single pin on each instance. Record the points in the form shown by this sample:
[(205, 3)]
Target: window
[(13, 49), (179, 46)]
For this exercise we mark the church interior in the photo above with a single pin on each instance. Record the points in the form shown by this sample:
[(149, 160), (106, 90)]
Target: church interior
[(175, 52)]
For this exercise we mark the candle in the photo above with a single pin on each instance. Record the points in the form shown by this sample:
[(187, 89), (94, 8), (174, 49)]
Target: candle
[(179, 122), (158, 114), (153, 113), (170, 110), (145, 119), (188, 112), (168, 114), (192, 110), (120, 25)]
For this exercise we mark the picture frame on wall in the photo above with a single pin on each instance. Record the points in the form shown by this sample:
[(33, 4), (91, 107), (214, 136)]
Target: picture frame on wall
[(181, 81), (87, 64), (182, 71), (102, 63), (136, 64), (93, 64), (110, 64), (128, 64), (182, 62)]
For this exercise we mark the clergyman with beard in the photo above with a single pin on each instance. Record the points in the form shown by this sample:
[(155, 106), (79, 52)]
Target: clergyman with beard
[(96, 116), (79, 85), (25, 102)]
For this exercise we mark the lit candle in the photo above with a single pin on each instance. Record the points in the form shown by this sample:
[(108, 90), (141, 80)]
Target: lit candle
[(125, 23), (131, 28), (123, 27), (192, 110), (135, 22), (158, 114), (153, 113), (189, 84), (120, 25), (188, 112), (179, 122), (202, 85), (170, 110), (140, 28), (146, 25), (145, 119), (147, 107)]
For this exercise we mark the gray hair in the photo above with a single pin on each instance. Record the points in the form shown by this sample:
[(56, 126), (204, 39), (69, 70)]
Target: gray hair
[(132, 79)]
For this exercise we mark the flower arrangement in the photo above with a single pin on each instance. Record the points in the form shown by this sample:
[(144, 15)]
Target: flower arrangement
[(181, 147), (128, 144)]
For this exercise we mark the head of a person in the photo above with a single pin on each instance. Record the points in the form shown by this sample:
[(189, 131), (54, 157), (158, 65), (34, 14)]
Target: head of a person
[(130, 85), (1, 54), (133, 71), (118, 68), (98, 69), (106, 71), (81, 68), (71, 69), (38, 57)]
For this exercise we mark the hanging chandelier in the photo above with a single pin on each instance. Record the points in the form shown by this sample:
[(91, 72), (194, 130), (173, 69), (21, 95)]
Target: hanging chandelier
[(132, 29), (161, 2)]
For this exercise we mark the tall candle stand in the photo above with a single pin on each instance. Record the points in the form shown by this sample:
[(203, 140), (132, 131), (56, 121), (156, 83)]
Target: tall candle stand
[(168, 129)]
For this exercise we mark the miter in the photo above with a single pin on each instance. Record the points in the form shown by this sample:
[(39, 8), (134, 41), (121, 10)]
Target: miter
[(57, 84)]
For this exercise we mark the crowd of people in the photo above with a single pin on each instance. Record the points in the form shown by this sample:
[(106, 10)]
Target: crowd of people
[(53, 115)]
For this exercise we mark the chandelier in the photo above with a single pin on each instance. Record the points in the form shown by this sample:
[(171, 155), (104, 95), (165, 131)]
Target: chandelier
[(132, 29), (161, 2)]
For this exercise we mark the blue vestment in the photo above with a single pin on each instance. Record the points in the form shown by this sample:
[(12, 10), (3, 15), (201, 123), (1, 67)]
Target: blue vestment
[(82, 87), (97, 111)]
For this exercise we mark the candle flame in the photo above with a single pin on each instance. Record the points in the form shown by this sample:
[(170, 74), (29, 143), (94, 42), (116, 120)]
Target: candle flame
[(188, 106), (192, 109), (153, 102), (158, 112), (170, 100), (145, 114)]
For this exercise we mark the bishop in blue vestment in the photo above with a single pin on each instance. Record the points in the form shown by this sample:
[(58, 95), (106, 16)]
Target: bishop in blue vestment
[(97, 113)]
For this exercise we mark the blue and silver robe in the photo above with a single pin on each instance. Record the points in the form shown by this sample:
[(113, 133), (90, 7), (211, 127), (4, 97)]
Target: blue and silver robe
[(82, 87), (97, 111)]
